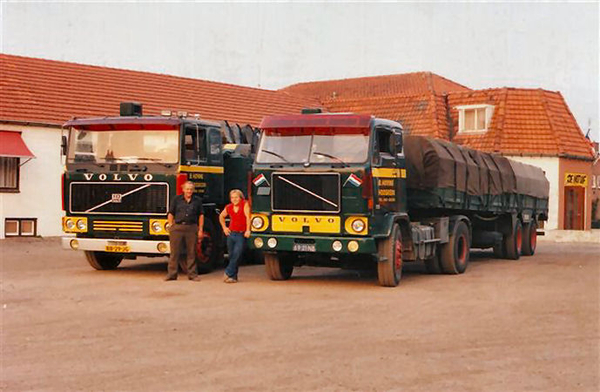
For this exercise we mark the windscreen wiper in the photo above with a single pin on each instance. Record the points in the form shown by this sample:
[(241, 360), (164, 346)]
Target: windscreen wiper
[(276, 154), (330, 156)]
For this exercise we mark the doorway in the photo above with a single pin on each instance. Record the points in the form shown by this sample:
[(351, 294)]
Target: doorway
[(574, 207)]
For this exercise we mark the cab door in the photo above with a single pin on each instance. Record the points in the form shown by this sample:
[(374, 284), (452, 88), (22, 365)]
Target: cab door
[(385, 169), (214, 171)]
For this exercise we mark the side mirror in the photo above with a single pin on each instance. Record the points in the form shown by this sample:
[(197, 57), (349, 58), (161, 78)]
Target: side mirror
[(63, 146), (398, 141)]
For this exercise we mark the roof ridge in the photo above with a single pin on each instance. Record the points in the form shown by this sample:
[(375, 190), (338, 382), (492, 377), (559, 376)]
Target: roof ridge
[(351, 78), (450, 80), (71, 63)]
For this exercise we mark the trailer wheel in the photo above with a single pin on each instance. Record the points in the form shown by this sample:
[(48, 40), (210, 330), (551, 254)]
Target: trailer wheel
[(279, 266), (208, 252), (529, 238), (432, 265), (454, 255), (514, 241), (389, 271), (103, 260)]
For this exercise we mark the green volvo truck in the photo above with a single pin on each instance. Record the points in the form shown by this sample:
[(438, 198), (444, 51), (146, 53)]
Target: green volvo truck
[(122, 172), (345, 190)]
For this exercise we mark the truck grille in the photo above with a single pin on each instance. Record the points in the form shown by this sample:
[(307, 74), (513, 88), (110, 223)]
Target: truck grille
[(304, 192), (118, 226), (119, 198)]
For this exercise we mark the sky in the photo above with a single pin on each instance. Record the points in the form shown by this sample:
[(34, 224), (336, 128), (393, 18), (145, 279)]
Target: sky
[(554, 46)]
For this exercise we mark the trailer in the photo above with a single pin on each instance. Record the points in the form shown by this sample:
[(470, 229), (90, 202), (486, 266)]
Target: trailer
[(349, 190)]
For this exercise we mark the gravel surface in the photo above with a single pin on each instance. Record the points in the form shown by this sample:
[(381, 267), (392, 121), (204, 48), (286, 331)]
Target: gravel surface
[(531, 324)]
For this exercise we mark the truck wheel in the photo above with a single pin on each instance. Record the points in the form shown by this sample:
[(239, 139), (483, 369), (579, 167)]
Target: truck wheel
[(432, 265), (499, 251), (278, 267), (513, 242), (103, 260), (208, 252), (389, 271), (529, 238), (454, 256)]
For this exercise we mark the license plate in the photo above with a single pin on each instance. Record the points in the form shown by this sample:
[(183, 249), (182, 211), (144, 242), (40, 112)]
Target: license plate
[(117, 248), (304, 247)]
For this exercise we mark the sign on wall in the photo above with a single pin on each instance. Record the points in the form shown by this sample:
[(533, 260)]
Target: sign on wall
[(576, 179)]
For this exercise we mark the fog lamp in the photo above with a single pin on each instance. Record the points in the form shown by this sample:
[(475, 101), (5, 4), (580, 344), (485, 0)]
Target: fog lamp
[(258, 222), (258, 242), (70, 224), (353, 246), (337, 246), (74, 244), (272, 242), (162, 247), (81, 225)]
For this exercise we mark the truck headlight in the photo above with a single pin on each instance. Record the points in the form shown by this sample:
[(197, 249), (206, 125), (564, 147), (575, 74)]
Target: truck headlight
[(70, 224), (258, 222), (81, 225), (353, 246), (258, 242), (358, 225), (157, 227), (272, 242)]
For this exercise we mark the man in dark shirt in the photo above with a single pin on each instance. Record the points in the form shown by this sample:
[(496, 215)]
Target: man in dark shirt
[(186, 222)]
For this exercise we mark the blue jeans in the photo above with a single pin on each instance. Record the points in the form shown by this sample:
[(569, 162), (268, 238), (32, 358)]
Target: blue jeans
[(235, 248)]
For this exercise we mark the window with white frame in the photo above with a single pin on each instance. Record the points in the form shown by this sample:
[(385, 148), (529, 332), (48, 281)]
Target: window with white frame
[(20, 227), (9, 174), (474, 118)]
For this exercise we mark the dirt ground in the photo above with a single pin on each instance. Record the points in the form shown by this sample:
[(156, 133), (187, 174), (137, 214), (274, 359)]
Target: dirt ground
[(504, 325)]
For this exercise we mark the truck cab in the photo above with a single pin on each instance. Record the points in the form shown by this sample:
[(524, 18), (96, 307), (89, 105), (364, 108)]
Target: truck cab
[(121, 174), (326, 190)]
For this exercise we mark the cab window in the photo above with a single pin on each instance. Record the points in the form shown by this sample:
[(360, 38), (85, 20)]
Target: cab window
[(194, 144)]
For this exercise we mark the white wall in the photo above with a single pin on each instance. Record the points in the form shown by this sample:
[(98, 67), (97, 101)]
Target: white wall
[(550, 165), (40, 194)]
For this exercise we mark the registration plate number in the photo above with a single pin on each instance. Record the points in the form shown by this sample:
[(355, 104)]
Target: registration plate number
[(304, 248), (117, 248)]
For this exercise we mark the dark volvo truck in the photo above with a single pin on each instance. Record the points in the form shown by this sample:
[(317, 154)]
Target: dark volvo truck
[(122, 172), (346, 190)]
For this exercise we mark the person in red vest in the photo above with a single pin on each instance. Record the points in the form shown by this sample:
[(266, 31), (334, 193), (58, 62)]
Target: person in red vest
[(238, 212)]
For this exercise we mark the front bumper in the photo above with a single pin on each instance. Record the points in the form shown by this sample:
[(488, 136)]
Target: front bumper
[(366, 245), (100, 244)]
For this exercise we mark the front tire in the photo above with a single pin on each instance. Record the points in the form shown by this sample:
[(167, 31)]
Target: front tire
[(208, 251), (389, 271), (103, 260), (278, 266), (454, 256)]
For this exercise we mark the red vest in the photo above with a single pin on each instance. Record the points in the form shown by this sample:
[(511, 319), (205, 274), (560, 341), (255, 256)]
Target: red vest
[(237, 220)]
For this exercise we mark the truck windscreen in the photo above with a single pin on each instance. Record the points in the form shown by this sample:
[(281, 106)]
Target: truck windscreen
[(313, 146), (123, 146)]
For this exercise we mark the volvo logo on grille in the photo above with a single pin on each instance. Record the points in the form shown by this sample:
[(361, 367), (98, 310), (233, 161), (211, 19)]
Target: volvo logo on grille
[(117, 176), (116, 197)]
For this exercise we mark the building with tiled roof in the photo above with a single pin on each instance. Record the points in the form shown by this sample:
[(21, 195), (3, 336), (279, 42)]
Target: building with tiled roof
[(37, 96), (530, 125)]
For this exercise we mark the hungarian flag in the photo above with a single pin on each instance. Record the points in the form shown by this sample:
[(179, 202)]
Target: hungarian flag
[(354, 180)]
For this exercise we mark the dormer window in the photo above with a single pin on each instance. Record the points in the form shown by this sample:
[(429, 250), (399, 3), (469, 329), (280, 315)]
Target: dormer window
[(474, 118)]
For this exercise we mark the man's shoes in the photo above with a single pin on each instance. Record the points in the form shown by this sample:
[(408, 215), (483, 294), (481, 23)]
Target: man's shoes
[(195, 279), (169, 278), (230, 280)]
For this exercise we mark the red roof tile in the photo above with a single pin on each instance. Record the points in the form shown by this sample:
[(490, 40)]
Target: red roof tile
[(423, 114), (51, 92), (525, 121), (376, 86)]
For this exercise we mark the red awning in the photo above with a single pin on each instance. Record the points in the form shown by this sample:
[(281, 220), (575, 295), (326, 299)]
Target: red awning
[(12, 145)]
